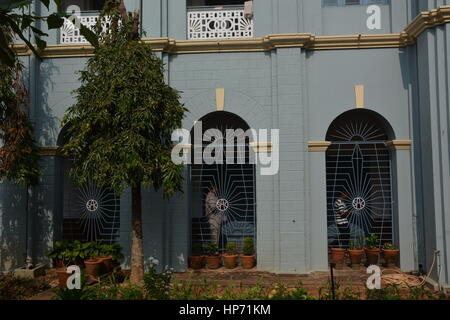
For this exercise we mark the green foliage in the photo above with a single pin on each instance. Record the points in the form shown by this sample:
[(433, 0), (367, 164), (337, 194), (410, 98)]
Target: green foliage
[(13, 288), (282, 292), (212, 249), (389, 293), (119, 131), (372, 241), (389, 246), (157, 284), (197, 249), (249, 247), (231, 248), (16, 18), (74, 252), (19, 155)]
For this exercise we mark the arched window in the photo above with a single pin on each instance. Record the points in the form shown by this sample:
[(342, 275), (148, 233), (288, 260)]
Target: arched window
[(359, 182), (223, 192), (90, 213)]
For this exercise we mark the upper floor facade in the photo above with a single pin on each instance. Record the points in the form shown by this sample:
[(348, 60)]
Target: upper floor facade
[(240, 19)]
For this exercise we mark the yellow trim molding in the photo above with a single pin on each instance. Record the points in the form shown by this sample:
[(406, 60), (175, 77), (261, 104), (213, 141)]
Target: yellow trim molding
[(359, 96), (423, 21), (259, 147), (395, 145), (318, 146), (220, 99)]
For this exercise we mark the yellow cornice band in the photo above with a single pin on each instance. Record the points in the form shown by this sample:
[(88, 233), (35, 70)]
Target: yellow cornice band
[(423, 21), (395, 145), (318, 146)]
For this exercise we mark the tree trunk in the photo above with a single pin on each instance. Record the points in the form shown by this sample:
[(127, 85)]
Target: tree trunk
[(137, 244)]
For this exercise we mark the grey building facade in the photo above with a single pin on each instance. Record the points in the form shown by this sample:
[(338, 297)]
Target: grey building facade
[(360, 98)]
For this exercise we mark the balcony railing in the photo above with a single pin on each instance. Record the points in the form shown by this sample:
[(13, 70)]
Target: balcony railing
[(204, 23), (70, 34), (221, 23)]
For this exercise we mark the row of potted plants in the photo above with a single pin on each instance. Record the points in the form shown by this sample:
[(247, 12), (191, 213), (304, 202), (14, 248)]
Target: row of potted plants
[(96, 257), (356, 251), (230, 259)]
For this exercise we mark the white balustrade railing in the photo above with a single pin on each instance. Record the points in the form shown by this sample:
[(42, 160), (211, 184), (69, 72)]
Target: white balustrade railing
[(70, 34), (223, 23), (203, 24)]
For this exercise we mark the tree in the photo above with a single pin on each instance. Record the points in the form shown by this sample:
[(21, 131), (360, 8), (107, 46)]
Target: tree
[(19, 155), (15, 16), (119, 130)]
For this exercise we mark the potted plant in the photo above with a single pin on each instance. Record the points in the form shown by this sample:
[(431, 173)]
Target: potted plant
[(230, 258), (355, 251), (338, 255), (248, 257), (93, 264), (196, 259), (390, 253), (213, 258), (372, 250), (109, 254), (64, 254)]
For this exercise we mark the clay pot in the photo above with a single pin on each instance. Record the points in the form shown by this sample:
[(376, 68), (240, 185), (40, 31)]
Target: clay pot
[(355, 257), (93, 267), (230, 261), (337, 255), (196, 262), (213, 262), (372, 256), (390, 257), (106, 264), (248, 262), (62, 277)]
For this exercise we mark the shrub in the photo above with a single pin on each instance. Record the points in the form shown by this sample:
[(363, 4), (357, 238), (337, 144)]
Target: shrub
[(249, 248), (157, 284), (13, 288), (372, 241), (212, 249), (231, 248)]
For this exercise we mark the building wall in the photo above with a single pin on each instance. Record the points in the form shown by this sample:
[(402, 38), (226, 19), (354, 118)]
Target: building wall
[(297, 91)]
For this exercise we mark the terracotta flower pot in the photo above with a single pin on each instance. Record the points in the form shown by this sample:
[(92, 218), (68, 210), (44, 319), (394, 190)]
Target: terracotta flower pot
[(58, 263), (93, 267), (390, 257), (355, 257), (62, 277), (372, 256), (248, 262), (213, 262), (230, 261), (337, 255), (106, 264), (196, 262)]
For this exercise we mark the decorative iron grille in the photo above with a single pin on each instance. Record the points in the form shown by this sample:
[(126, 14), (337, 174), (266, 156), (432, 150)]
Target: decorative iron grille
[(224, 205), (223, 23), (91, 213), (70, 34), (359, 183)]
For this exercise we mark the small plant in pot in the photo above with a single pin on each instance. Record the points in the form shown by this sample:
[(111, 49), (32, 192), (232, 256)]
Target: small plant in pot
[(230, 258), (248, 258), (92, 263), (213, 258), (390, 253), (63, 255), (109, 254), (372, 250), (355, 251), (196, 259)]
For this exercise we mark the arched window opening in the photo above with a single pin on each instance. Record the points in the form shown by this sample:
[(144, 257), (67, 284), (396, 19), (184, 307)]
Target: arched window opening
[(223, 193), (359, 181), (90, 212)]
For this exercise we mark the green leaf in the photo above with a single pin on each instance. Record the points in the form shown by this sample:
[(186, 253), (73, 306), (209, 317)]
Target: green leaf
[(46, 3), (90, 36), (38, 32), (40, 43), (54, 21), (6, 53)]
